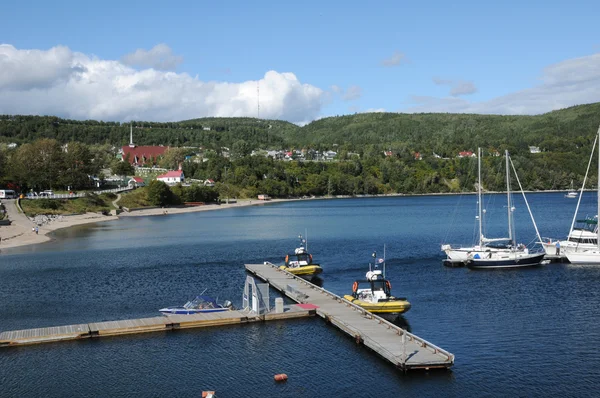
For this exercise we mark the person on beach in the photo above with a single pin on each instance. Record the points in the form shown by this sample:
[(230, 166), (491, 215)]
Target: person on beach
[(557, 248), (36, 230)]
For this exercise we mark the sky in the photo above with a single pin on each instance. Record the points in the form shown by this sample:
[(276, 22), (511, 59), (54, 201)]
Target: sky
[(295, 60)]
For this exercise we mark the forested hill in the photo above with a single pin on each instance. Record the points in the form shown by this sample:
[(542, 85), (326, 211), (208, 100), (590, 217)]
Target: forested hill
[(207, 132), (568, 130), (446, 134)]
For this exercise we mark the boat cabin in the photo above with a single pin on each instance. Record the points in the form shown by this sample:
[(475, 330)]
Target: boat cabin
[(299, 258), (586, 231)]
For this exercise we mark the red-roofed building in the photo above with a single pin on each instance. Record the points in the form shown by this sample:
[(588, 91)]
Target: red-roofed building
[(466, 154), (136, 182), (171, 177), (142, 155)]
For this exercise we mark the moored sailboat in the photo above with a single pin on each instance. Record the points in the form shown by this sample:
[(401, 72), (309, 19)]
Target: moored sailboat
[(571, 193), (513, 256), (459, 255)]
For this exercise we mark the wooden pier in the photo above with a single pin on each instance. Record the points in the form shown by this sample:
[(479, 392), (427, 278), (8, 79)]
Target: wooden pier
[(145, 325), (403, 349)]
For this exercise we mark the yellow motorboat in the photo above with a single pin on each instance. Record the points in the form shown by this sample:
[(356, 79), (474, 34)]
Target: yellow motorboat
[(375, 294), (301, 262)]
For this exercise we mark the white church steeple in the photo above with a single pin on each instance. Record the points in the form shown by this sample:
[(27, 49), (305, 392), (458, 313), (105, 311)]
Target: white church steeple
[(131, 144)]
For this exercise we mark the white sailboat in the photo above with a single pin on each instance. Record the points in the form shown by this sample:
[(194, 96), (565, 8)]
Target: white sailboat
[(591, 256), (461, 254), (583, 234), (571, 194), (514, 256)]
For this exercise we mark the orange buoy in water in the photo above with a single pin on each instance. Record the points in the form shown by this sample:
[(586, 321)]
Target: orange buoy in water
[(281, 377)]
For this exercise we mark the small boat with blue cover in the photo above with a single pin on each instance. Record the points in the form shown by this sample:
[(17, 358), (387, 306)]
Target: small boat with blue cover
[(199, 305)]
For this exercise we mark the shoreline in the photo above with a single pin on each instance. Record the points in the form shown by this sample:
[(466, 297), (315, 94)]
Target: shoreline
[(20, 232)]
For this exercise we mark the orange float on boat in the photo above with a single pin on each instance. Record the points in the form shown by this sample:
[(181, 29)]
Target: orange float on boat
[(281, 377)]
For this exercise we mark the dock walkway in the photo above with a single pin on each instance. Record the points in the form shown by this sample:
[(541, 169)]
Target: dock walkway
[(403, 349), (144, 325)]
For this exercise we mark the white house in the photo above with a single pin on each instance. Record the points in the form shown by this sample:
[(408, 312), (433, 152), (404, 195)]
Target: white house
[(136, 182), (209, 183), (171, 177), (534, 149)]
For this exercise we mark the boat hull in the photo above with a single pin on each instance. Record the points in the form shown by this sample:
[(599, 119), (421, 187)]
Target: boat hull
[(591, 257), (508, 261), (184, 311), (388, 307), (305, 270)]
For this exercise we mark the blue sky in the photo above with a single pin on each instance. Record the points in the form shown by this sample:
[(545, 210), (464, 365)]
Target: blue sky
[(345, 57)]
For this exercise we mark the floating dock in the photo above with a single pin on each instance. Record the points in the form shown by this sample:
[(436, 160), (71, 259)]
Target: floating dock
[(145, 325), (403, 349)]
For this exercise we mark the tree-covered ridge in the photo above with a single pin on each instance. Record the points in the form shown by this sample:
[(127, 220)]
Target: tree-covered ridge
[(211, 133), (566, 130), (377, 153)]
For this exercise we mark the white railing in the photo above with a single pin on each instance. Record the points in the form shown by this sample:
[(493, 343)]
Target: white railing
[(78, 195)]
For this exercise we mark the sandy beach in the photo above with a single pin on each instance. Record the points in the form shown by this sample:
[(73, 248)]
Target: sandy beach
[(22, 232)]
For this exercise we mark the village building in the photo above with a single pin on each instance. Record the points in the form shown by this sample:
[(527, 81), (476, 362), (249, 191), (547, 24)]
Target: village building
[(209, 183), (136, 182), (141, 155), (171, 177), (466, 154)]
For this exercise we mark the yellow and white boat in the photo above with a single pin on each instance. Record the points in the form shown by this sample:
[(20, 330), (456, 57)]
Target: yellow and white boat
[(374, 294), (300, 262)]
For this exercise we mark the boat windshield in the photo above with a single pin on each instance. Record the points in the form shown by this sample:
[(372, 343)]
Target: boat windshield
[(201, 302)]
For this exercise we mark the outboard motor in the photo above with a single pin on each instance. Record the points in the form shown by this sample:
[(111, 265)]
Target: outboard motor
[(228, 304)]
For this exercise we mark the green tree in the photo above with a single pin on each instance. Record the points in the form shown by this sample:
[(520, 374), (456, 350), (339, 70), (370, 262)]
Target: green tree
[(123, 168), (159, 193)]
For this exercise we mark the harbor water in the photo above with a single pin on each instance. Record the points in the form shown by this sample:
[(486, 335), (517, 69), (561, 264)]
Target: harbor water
[(529, 332)]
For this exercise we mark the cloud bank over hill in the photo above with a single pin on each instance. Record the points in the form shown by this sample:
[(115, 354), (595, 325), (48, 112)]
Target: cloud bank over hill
[(143, 85), (62, 82), (571, 82)]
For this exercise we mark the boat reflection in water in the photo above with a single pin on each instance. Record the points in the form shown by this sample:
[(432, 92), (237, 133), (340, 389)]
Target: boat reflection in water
[(400, 321), (315, 280)]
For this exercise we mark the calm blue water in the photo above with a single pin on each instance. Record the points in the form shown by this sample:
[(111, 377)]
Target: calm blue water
[(514, 333)]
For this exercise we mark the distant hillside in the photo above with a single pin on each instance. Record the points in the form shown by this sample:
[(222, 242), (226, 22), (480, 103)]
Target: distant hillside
[(445, 134), (208, 132), (564, 131)]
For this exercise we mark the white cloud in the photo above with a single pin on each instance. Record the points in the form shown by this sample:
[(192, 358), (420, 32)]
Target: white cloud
[(567, 83), (159, 57), (457, 87), (73, 85), (352, 93), (26, 69), (396, 59)]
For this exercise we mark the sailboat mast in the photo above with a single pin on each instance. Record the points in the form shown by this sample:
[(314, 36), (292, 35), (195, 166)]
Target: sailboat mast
[(598, 188), (479, 196), (509, 204)]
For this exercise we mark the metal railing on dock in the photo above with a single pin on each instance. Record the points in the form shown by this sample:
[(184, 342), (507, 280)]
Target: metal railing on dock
[(400, 347)]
